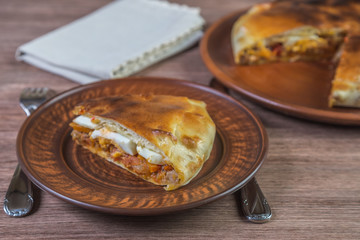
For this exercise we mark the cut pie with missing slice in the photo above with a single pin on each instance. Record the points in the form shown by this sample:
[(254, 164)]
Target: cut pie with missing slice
[(346, 84), (308, 30)]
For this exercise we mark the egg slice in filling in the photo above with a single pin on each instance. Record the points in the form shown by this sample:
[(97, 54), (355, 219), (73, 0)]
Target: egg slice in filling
[(121, 150)]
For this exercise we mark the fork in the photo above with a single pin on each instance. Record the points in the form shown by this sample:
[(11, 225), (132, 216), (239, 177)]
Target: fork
[(19, 200)]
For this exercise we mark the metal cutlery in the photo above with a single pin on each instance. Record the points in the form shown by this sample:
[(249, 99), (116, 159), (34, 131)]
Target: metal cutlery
[(253, 203), (19, 200)]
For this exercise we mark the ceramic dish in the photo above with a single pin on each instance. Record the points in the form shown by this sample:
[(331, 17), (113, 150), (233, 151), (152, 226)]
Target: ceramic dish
[(53, 162), (300, 89)]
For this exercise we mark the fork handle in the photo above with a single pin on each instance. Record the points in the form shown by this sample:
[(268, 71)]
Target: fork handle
[(19, 199), (19, 196), (254, 204)]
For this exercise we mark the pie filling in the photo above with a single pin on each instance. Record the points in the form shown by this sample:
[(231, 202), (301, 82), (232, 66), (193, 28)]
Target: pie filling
[(161, 174), (305, 43)]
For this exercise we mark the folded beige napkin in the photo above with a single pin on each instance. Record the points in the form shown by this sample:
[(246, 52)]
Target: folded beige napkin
[(117, 40)]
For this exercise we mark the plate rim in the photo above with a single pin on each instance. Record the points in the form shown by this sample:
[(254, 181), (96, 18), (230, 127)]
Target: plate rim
[(299, 111), (261, 154)]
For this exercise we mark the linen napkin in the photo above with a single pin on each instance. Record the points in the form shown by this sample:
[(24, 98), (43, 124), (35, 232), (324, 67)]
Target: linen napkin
[(116, 40)]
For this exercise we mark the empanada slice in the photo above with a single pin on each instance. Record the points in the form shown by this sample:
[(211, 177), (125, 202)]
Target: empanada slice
[(162, 139)]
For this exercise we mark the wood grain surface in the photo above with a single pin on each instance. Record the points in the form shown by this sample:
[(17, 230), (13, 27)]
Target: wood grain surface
[(310, 177)]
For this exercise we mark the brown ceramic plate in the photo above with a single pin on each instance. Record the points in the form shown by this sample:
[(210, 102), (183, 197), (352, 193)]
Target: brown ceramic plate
[(53, 162), (299, 89)]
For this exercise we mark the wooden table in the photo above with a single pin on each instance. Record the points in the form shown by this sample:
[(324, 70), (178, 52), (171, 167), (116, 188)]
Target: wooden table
[(311, 176)]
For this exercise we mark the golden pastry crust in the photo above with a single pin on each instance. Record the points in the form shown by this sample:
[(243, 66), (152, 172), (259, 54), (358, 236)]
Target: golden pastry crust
[(345, 90), (178, 127), (303, 30)]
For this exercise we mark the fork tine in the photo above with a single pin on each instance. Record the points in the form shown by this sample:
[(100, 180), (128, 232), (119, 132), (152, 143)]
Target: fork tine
[(24, 92), (38, 91), (30, 94), (33, 92)]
